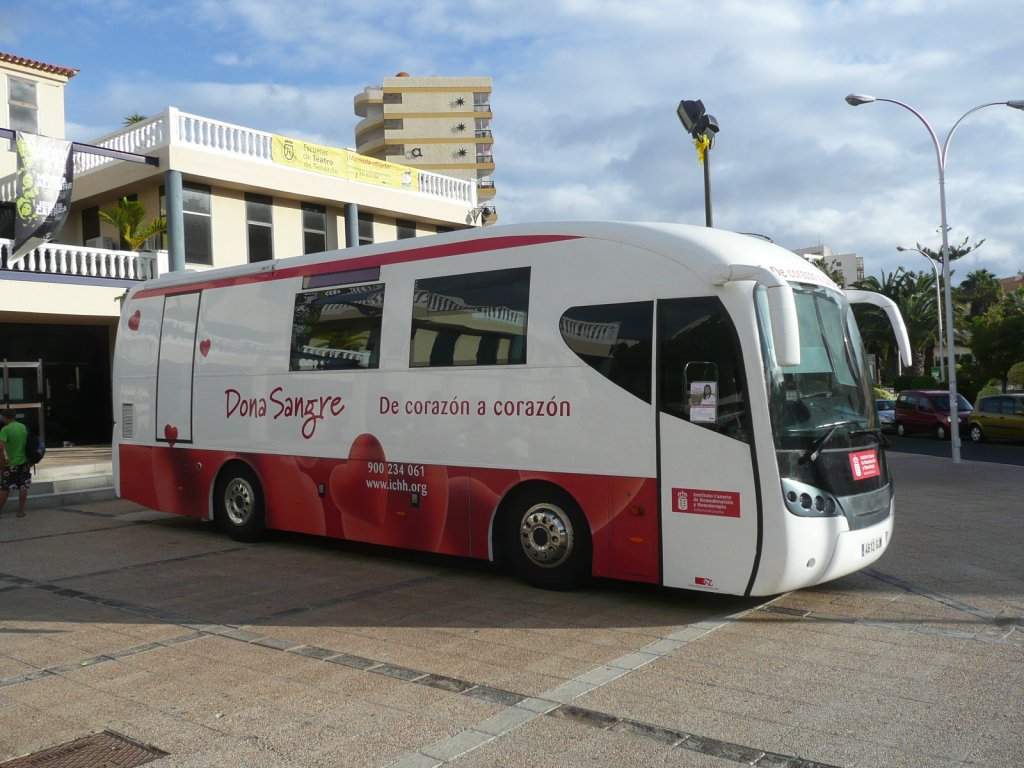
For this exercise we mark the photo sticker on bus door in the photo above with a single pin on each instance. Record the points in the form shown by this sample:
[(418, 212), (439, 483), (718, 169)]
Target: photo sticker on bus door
[(700, 501), (703, 400), (864, 464)]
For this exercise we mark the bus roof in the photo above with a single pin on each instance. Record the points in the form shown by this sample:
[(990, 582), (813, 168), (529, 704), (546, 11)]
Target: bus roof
[(703, 250)]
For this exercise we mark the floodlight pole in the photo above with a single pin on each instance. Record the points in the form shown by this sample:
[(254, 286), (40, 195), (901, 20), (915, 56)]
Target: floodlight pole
[(707, 188), (855, 100), (700, 125)]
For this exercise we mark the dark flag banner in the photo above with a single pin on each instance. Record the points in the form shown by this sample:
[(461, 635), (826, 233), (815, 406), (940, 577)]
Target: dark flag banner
[(43, 187)]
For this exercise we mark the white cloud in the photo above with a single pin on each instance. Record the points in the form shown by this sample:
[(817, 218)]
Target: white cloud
[(585, 94)]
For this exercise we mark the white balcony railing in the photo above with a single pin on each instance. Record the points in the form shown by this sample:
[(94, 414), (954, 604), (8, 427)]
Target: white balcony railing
[(81, 261), (174, 127)]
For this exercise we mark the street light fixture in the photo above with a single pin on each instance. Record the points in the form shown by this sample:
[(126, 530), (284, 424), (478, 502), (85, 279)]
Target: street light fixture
[(855, 100), (702, 127), (938, 301)]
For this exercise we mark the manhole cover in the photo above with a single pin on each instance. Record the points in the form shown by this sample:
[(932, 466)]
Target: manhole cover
[(101, 750)]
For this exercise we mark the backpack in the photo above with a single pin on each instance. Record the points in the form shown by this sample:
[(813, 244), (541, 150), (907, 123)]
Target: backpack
[(35, 448)]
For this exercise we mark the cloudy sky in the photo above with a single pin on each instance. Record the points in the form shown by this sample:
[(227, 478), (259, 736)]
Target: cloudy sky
[(585, 93)]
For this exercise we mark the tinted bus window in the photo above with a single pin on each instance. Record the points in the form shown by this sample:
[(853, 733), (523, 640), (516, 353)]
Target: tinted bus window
[(697, 342), (615, 340), (337, 328), (473, 319)]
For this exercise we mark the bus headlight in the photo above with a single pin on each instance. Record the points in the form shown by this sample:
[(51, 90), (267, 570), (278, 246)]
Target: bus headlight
[(808, 501)]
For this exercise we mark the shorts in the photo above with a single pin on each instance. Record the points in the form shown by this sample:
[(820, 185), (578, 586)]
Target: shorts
[(16, 478)]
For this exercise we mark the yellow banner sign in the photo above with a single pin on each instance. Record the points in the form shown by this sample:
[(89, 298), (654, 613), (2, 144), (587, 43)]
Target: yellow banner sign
[(343, 164)]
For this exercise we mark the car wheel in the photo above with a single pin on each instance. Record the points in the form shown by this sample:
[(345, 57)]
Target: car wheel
[(940, 432), (239, 503), (901, 430), (976, 434), (547, 540)]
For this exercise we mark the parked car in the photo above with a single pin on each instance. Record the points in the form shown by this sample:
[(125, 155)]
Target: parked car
[(927, 410), (886, 414), (999, 417)]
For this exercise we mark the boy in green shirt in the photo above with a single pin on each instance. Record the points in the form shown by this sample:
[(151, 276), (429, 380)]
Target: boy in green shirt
[(17, 472)]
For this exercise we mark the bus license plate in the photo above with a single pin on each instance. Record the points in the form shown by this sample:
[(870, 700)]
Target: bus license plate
[(867, 547)]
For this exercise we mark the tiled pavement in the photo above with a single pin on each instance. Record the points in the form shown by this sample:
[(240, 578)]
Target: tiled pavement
[(302, 652)]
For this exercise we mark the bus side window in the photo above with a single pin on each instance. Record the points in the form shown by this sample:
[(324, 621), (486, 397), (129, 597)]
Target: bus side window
[(614, 340), (337, 328), (700, 331), (471, 319)]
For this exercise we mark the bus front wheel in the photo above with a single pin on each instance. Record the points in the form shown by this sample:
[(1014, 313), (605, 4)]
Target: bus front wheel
[(240, 505), (548, 541)]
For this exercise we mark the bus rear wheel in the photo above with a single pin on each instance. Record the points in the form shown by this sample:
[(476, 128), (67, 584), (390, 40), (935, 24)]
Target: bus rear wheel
[(239, 503), (547, 539)]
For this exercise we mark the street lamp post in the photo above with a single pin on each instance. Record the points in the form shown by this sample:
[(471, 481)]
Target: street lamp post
[(938, 301), (855, 100)]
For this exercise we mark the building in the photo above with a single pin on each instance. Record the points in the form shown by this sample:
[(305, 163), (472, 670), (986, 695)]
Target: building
[(849, 264), (440, 124), (240, 194), (1012, 284)]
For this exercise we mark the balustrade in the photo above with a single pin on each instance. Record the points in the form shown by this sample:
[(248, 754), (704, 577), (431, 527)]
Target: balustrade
[(81, 261)]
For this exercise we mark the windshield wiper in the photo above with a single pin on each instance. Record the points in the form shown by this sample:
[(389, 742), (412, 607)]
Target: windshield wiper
[(812, 453)]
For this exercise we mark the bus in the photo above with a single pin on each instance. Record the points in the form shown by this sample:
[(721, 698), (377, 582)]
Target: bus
[(657, 403)]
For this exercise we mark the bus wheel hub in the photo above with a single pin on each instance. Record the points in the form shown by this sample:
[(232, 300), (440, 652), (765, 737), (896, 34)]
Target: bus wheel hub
[(546, 535)]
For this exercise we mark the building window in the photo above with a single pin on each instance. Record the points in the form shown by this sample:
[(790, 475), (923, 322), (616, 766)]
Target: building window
[(23, 105), (195, 204), (394, 150), (395, 124), (7, 221), (314, 228), (481, 102), (259, 227), (366, 229), (337, 328), (406, 229), (90, 224), (392, 98), (474, 319)]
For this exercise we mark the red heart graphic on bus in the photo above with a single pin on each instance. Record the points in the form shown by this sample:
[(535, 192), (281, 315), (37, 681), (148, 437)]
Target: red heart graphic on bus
[(358, 488), (171, 433), (204, 347), (133, 321)]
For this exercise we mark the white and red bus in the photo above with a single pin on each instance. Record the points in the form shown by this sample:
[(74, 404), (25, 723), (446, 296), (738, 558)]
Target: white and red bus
[(657, 403)]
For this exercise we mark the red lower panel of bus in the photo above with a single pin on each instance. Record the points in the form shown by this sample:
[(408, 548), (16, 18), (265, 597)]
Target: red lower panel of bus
[(416, 506)]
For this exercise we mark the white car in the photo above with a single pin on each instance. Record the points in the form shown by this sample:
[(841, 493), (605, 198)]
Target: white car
[(886, 414)]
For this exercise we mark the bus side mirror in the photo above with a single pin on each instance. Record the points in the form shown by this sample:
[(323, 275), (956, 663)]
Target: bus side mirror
[(785, 326), (892, 310)]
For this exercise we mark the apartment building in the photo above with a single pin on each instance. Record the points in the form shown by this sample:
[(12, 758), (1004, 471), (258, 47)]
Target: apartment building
[(849, 264), (440, 124), (242, 196)]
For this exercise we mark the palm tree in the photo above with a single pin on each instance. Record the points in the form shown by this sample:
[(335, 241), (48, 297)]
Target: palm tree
[(833, 270), (980, 289), (129, 217), (134, 118), (914, 294)]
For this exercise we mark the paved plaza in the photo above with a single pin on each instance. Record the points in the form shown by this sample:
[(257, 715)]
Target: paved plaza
[(305, 652)]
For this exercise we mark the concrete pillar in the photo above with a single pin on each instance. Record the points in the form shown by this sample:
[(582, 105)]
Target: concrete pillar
[(351, 225), (175, 222)]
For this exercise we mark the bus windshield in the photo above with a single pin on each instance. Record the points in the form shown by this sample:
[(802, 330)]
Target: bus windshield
[(826, 402)]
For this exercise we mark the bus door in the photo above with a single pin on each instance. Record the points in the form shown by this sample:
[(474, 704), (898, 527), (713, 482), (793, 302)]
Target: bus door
[(710, 511), (174, 368)]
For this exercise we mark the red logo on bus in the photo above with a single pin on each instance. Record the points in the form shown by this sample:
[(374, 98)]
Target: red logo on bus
[(700, 501), (864, 464)]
